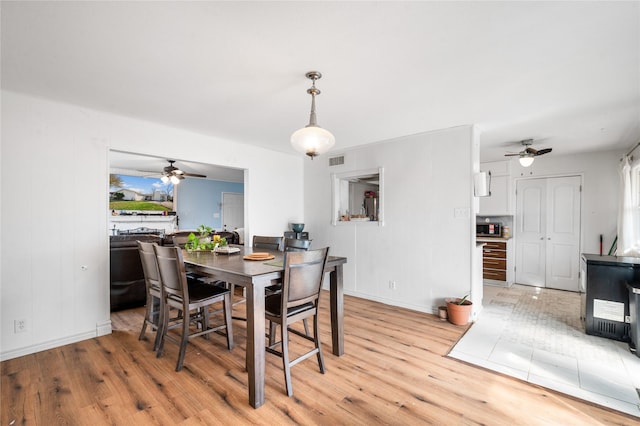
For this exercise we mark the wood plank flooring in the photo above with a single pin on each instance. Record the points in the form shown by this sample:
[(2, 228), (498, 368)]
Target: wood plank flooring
[(395, 371)]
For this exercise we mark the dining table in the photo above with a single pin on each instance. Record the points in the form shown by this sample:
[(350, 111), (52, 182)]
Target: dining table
[(254, 276)]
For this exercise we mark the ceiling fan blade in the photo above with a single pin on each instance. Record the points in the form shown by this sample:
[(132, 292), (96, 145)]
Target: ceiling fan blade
[(512, 155), (543, 151), (530, 150), (194, 175)]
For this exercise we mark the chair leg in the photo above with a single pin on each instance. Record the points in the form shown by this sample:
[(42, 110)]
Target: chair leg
[(227, 306), (306, 326), (160, 321), (204, 312), (272, 332), (184, 340), (147, 316), (284, 333), (163, 330), (316, 338)]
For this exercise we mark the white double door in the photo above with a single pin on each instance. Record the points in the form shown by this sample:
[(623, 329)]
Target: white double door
[(232, 211), (548, 232)]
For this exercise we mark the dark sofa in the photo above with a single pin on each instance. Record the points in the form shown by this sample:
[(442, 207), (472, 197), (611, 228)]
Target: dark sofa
[(127, 278)]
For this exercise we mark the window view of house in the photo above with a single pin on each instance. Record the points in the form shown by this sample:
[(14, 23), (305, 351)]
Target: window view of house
[(136, 193)]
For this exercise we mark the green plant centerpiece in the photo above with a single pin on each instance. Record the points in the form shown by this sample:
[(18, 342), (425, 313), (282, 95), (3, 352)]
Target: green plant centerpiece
[(203, 241)]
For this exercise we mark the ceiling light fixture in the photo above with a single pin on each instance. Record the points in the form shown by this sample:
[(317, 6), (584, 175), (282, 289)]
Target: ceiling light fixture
[(173, 174), (312, 139), (526, 160)]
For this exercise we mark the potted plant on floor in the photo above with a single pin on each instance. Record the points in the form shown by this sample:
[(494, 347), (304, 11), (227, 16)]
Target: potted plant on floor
[(459, 310)]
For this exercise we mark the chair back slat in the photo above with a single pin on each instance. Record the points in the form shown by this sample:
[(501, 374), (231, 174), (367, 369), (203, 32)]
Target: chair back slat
[(303, 275), (293, 244), (268, 243)]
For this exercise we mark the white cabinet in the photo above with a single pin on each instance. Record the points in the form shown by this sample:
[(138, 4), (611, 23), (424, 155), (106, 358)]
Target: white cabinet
[(498, 203)]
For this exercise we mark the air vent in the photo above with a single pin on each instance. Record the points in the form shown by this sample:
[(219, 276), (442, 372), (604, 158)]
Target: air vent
[(336, 161)]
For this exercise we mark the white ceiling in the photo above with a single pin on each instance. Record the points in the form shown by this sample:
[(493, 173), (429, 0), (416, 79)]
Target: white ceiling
[(564, 73)]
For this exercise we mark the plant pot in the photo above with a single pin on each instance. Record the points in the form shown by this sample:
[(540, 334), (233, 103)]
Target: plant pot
[(442, 312), (458, 314)]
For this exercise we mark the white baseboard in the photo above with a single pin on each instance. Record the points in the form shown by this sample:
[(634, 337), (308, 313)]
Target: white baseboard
[(413, 307), (102, 329)]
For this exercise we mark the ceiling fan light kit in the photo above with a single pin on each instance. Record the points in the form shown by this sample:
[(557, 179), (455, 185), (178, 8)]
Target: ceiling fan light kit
[(312, 139), (174, 175), (526, 161), (528, 154)]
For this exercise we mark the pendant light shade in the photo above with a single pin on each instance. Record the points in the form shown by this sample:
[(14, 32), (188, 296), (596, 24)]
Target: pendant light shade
[(312, 139), (526, 160)]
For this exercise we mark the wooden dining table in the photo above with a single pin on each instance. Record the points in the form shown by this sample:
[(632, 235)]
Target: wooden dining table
[(254, 276)]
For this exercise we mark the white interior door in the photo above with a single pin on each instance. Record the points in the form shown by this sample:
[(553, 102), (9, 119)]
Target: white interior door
[(548, 232), (531, 200), (563, 233), (232, 210)]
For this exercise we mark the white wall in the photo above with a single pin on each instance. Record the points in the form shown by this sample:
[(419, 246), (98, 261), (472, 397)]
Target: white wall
[(54, 186), (599, 190), (422, 246)]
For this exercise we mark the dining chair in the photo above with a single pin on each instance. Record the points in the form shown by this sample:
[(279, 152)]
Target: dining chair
[(153, 307), (153, 311), (291, 244), (294, 244), (259, 242), (180, 238), (268, 243), (193, 298), (298, 300)]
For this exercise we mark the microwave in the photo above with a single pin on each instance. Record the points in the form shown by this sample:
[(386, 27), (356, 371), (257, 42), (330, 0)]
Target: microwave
[(489, 229)]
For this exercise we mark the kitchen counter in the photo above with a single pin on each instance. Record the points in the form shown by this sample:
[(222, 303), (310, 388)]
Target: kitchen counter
[(611, 260), (489, 239)]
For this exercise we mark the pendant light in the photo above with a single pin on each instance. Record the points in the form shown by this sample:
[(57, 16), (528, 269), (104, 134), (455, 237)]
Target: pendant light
[(312, 139)]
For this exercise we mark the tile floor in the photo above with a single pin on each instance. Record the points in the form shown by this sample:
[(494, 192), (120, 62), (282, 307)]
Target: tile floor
[(536, 335)]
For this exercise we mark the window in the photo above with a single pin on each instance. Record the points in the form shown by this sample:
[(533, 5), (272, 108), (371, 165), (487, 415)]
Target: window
[(135, 193), (358, 197)]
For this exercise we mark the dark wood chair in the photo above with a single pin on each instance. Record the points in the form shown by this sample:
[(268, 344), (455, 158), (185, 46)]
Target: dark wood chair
[(298, 300), (293, 244), (194, 299), (154, 292), (268, 243), (259, 242), (180, 238)]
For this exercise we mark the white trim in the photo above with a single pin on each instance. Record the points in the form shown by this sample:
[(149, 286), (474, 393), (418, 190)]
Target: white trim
[(335, 194), (101, 330)]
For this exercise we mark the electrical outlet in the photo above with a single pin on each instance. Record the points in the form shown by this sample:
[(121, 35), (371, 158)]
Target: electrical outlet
[(19, 325), (392, 285), (461, 212)]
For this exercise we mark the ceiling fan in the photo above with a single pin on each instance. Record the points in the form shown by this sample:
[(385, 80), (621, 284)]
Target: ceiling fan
[(174, 175), (527, 154)]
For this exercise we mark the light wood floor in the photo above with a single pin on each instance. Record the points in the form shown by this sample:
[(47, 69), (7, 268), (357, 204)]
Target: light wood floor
[(395, 371)]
